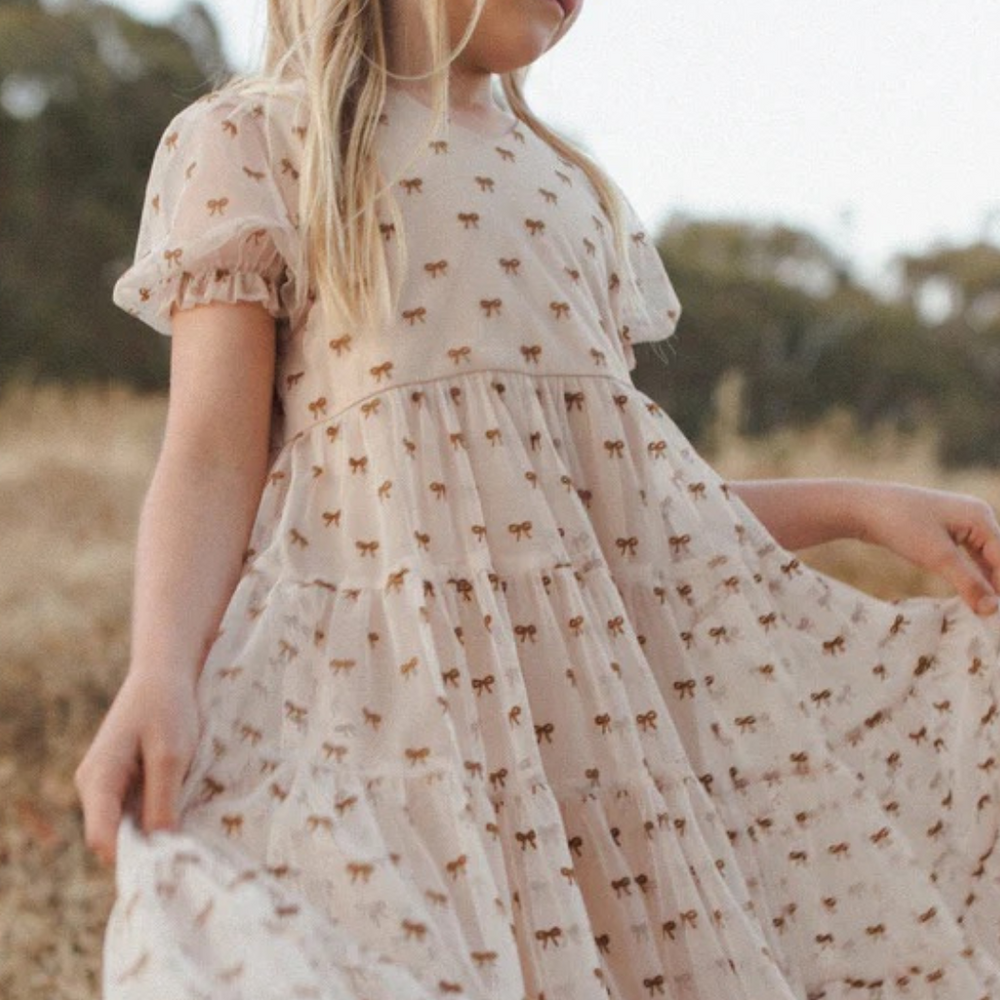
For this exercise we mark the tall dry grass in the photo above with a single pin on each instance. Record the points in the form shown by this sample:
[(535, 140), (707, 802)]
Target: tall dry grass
[(836, 447), (74, 466), (73, 470)]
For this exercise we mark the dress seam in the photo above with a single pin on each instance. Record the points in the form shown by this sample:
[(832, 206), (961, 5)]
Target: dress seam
[(305, 431)]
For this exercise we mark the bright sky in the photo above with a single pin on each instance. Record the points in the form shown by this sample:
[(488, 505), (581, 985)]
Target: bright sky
[(874, 125)]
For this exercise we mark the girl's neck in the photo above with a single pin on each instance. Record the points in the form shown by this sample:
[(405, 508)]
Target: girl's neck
[(468, 96)]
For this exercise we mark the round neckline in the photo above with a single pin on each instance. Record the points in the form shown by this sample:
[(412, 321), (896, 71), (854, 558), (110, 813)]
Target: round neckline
[(453, 123)]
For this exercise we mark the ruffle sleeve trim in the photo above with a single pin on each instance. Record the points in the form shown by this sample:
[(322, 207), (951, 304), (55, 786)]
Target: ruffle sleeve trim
[(215, 227), (220, 285), (153, 305), (238, 264)]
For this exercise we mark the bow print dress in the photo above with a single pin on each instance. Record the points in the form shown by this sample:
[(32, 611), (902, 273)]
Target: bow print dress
[(515, 699)]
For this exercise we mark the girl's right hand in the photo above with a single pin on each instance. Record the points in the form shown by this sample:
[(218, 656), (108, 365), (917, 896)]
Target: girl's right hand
[(149, 735)]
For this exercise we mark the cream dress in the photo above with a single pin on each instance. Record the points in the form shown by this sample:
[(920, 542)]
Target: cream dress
[(515, 699)]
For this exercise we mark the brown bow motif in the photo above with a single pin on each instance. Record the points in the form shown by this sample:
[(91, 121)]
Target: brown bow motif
[(345, 804), (627, 546), (520, 529), (232, 823), (792, 568), (415, 929), (679, 543), (251, 733), (362, 870), (527, 631), (211, 787), (647, 720), (457, 866), (526, 838), (316, 821), (417, 755), (553, 934), (545, 731), (719, 633), (835, 645), (686, 688), (480, 684)]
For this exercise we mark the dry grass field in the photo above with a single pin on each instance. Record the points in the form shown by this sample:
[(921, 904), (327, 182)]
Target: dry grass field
[(74, 465)]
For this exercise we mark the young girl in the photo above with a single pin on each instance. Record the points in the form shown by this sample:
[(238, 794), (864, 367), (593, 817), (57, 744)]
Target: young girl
[(456, 672)]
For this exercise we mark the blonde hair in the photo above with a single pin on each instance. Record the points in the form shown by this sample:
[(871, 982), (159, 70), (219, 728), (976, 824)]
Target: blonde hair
[(338, 49)]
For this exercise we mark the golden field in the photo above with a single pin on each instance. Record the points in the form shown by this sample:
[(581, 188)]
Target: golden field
[(74, 466)]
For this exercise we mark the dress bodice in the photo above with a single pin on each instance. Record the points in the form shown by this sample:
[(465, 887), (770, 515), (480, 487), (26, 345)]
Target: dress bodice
[(510, 267)]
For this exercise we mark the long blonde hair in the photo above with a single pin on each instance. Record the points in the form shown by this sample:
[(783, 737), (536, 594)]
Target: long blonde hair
[(338, 49)]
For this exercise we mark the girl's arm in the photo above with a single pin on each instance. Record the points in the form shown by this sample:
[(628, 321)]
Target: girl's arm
[(198, 512), (804, 512), (954, 535), (193, 532)]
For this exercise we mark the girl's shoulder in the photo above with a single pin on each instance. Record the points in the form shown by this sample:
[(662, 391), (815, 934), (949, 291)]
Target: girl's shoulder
[(275, 117), (220, 212)]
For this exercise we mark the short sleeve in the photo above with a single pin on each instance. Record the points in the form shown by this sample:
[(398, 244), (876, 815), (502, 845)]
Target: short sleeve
[(215, 224), (656, 291)]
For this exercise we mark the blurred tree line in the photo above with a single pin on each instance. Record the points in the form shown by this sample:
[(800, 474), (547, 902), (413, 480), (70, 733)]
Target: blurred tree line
[(85, 93), (783, 309), (86, 90)]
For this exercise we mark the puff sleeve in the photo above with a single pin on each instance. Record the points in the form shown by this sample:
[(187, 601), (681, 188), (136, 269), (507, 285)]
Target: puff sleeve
[(656, 291), (215, 223)]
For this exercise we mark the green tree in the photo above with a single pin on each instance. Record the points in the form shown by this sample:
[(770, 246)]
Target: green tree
[(85, 92), (783, 310)]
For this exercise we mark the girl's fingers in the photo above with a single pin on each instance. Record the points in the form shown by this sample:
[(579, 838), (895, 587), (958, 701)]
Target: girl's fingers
[(101, 796), (961, 572), (162, 773), (985, 567), (102, 814), (990, 552), (982, 533), (981, 540)]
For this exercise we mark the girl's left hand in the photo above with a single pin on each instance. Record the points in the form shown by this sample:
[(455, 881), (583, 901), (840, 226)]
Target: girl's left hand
[(950, 534)]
